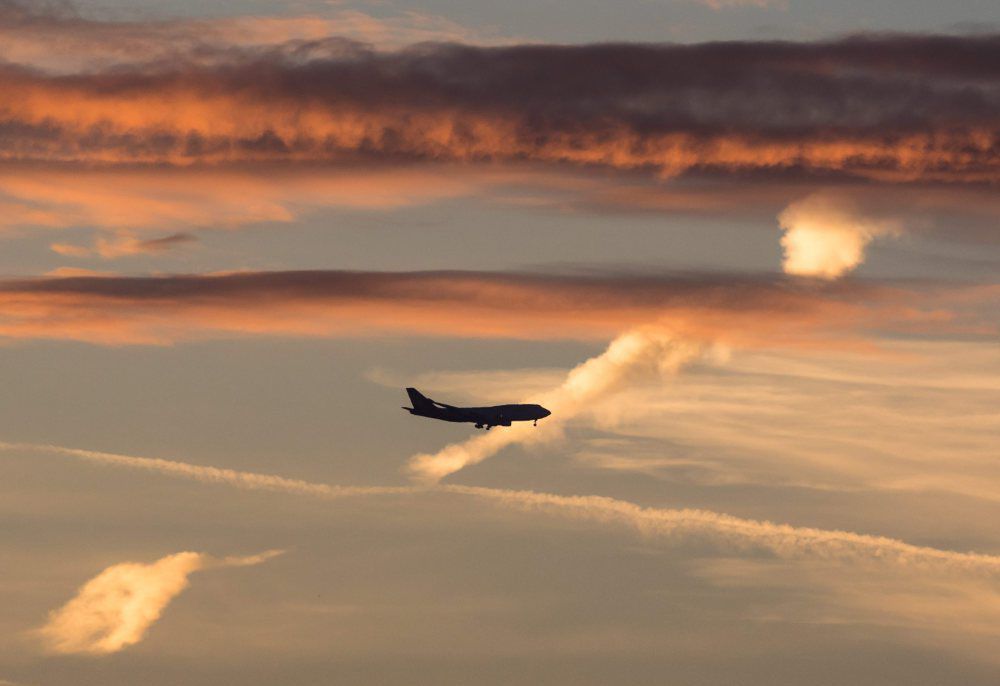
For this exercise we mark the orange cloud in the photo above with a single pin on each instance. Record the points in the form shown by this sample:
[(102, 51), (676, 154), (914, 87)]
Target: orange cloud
[(135, 207), (743, 108), (767, 312), (124, 245), (163, 199)]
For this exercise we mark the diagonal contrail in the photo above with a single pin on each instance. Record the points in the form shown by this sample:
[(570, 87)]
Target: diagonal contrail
[(245, 480), (732, 533)]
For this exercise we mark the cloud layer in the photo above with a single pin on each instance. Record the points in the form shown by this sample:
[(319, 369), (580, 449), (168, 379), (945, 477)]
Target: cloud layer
[(282, 114), (881, 107), (115, 609), (750, 311)]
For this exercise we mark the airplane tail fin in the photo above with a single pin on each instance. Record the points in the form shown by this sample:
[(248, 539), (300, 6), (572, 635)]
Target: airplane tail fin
[(420, 402)]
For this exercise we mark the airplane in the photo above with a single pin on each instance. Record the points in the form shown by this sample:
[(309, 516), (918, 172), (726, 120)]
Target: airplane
[(498, 415)]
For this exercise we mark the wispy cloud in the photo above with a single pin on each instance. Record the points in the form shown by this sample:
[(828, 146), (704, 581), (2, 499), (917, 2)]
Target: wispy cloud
[(116, 608), (125, 245), (221, 198), (147, 202), (921, 419)]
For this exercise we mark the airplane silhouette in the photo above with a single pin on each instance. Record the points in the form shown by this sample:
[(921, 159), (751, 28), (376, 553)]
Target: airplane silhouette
[(498, 415)]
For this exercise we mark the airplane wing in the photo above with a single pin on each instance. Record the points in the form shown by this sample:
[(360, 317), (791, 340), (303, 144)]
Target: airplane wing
[(482, 415), (479, 415), (446, 405)]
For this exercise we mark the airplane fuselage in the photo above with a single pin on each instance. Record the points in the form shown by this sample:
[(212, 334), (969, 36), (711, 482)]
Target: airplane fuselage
[(496, 415)]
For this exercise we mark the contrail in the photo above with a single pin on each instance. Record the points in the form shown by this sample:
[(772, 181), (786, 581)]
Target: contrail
[(725, 531), (246, 480), (636, 352), (735, 533)]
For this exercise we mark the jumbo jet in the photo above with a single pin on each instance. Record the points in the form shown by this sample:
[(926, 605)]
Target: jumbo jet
[(498, 415)]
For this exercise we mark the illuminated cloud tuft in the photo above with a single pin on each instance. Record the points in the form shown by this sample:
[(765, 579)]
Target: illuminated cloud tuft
[(826, 235), (115, 609)]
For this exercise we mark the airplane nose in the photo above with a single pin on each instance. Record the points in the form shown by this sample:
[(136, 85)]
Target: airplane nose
[(545, 413)]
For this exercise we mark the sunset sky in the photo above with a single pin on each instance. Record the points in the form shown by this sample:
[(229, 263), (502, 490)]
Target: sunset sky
[(746, 251)]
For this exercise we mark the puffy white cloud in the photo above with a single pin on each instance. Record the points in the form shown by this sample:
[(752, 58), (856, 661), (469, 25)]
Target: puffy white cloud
[(826, 235)]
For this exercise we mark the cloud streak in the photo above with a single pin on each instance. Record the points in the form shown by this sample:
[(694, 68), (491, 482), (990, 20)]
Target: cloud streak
[(124, 244), (748, 311), (730, 108), (159, 200), (117, 607)]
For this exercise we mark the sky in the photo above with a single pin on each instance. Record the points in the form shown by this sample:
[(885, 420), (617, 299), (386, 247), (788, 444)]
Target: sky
[(746, 252)]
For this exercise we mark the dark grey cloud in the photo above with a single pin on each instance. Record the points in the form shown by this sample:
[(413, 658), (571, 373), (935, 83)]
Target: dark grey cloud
[(876, 107), (589, 289), (165, 243), (162, 309)]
